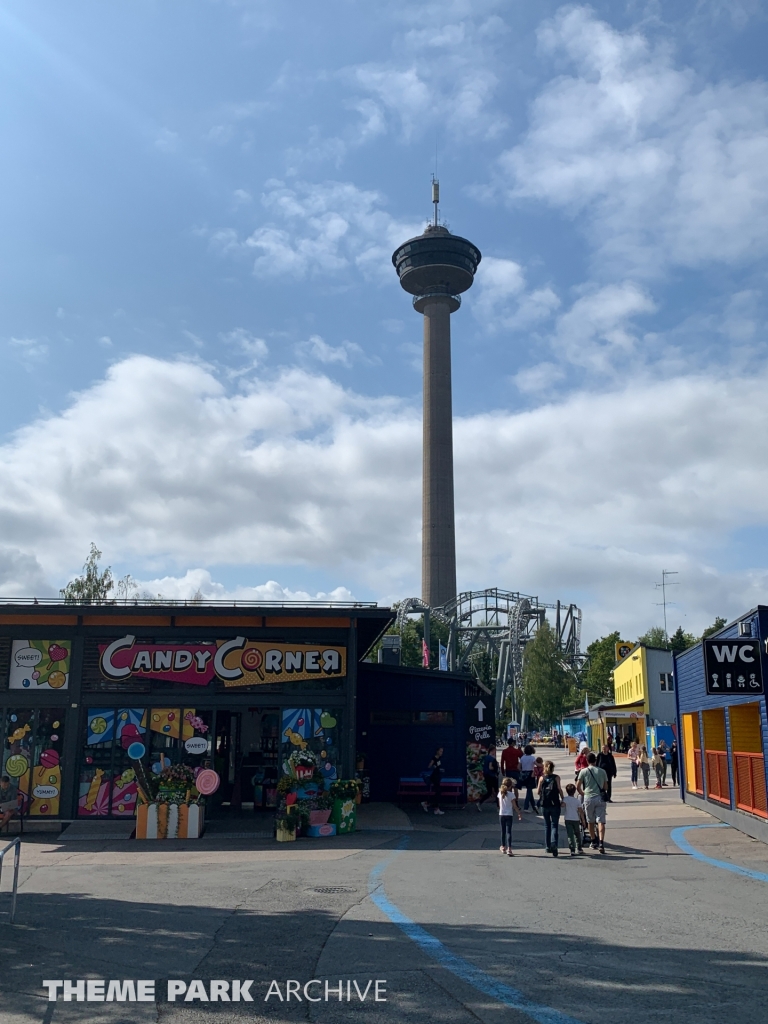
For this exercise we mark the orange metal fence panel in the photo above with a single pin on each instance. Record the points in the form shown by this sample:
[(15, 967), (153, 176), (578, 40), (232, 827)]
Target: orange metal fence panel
[(749, 774), (717, 776)]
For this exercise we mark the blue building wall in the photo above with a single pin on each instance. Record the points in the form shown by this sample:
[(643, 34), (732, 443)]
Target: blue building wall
[(692, 697), (395, 751)]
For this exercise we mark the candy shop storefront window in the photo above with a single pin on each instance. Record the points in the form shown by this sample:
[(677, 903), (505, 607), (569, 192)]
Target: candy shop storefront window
[(117, 738), (310, 739), (34, 740)]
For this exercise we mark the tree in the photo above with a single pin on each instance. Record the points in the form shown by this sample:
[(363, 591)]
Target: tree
[(597, 680), (680, 640), (95, 585), (716, 625), (654, 637), (547, 686), (411, 639)]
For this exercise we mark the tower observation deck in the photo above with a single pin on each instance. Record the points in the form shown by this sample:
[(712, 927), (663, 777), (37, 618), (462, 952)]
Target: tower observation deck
[(435, 268)]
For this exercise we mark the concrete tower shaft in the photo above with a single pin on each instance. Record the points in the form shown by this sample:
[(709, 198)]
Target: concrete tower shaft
[(438, 537), (435, 268)]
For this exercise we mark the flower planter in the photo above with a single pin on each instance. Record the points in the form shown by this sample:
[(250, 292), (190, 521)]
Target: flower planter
[(319, 817), (284, 835), (321, 831), (169, 821), (344, 816)]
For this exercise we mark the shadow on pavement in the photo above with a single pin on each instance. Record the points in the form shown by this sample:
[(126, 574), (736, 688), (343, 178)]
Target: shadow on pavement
[(287, 930)]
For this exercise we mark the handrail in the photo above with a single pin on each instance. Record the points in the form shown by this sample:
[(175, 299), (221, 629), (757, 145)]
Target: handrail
[(16, 858)]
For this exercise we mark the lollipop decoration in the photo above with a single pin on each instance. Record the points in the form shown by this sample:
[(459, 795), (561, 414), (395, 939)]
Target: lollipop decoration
[(207, 781)]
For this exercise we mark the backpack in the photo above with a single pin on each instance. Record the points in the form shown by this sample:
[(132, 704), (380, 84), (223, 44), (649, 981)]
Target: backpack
[(550, 796)]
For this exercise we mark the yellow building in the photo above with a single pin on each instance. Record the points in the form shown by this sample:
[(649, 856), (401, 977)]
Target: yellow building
[(644, 694), (630, 679)]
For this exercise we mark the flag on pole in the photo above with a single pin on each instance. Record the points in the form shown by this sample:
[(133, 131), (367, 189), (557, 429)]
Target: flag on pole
[(586, 703), (442, 656), (424, 654)]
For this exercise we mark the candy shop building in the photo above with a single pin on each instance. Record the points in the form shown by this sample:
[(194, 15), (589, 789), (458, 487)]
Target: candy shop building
[(87, 691)]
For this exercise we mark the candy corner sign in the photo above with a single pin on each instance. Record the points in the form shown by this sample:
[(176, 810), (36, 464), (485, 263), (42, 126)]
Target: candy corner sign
[(40, 665), (237, 662), (242, 662)]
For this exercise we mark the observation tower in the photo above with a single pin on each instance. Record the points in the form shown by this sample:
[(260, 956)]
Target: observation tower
[(435, 268)]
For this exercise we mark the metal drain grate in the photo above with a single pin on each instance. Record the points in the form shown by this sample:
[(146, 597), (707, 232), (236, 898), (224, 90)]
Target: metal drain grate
[(332, 888)]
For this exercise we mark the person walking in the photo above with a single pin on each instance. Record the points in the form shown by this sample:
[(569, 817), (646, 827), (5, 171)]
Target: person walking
[(645, 765), (607, 762), (510, 760), (550, 795), (490, 776), (581, 761), (538, 771), (634, 761), (591, 785), (656, 763), (664, 761), (527, 764), (435, 769), (673, 763), (573, 813), (508, 807)]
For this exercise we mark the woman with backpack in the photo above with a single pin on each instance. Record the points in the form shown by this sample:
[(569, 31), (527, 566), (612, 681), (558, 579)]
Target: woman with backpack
[(551, 795)]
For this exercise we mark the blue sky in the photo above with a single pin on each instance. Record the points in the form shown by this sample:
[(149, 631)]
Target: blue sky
[(209, 368)]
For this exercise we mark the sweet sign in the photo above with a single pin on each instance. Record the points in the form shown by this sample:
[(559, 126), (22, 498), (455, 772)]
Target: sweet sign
[(237, 662)]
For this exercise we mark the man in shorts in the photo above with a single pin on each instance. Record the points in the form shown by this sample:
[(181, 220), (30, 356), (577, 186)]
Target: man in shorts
[(591, 783)]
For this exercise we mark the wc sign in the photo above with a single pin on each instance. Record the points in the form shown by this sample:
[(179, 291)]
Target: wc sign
[(733, 666)]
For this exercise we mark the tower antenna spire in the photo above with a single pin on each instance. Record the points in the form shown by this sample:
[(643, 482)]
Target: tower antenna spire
[(435, 196)]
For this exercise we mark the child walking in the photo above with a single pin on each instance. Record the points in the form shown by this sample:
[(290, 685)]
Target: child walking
[(508, 805), (575, 822)]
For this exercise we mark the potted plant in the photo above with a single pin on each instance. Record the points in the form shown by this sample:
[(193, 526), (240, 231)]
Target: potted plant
[(303, 764), (169, 805), (344, 813), (321, 812), (285, 825)]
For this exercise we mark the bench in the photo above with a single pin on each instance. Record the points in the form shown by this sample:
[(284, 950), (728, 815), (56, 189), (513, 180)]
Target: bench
[(415, 788)]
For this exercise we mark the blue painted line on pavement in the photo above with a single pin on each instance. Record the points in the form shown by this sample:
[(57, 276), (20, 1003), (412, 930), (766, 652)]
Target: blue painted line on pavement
[(462, 968), (678, 837)]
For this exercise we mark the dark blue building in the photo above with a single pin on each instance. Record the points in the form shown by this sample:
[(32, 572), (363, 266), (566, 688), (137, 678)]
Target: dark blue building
[(403, 715), (723, 726)]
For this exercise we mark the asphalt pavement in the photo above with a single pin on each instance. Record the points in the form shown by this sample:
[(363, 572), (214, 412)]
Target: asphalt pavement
[(426, 905)]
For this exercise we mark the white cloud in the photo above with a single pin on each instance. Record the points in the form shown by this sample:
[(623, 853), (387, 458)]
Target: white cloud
[(320, 229), (584, 499), (167, 141), (200, 582), (665, 169), (539, 378), (444, 74), (502, 301), (255, 348), (597, 331), (318, 349), (21, 575), (29, 351), (105, 341)]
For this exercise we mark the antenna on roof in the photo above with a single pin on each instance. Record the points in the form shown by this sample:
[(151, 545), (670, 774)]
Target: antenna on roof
[(435, 195)]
